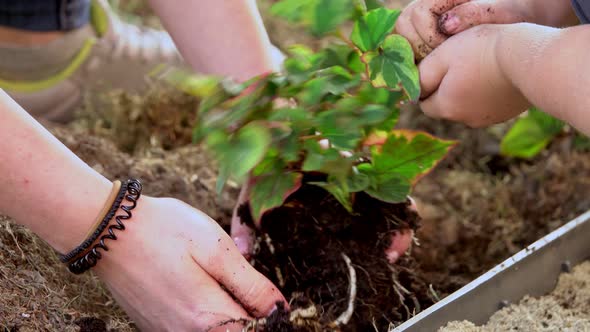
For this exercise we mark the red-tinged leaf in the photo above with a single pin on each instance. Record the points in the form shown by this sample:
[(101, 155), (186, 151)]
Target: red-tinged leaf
[(376, 138), (271, 191), (408, 154)]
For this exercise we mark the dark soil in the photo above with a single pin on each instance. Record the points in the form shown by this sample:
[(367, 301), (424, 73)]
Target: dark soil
[(301, 250), (91, 324)]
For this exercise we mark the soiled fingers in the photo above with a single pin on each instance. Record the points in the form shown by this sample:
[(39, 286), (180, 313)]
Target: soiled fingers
[(419, 23), (477, 12)]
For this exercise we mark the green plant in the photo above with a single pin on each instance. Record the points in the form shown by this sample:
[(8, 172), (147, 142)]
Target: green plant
[(331, 113), (530, 134), (534, 131)]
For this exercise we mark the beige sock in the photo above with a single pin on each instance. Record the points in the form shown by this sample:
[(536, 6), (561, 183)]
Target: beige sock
[(20, 63)]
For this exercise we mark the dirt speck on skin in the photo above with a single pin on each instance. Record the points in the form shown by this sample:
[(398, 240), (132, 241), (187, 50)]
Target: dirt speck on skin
[(567, 308)]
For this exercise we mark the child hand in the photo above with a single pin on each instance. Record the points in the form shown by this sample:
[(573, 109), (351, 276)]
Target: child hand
[(428, 23), (462, 80)]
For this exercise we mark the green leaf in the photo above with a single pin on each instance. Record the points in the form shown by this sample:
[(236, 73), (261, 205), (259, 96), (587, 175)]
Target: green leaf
[(313, 91), (393, 190), (340, 127), (272, 163), (357, 181), (291, 148), (376, 114), (293, 10), (195, 85), (355, 63), (361, 6), (530, 134), (388, 187), (393, 66), (370, 30), (329, 14), (334, 80), (582, 142), (408, 155), (318, 159), (290, 114), (303, 62), (239, 154), (374, 4), (338, 192), (321, 16), (369, 94), (337, 55), (339, 79), (271, 191)]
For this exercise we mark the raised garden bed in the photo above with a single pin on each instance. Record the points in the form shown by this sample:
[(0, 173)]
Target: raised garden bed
[(532, 272)]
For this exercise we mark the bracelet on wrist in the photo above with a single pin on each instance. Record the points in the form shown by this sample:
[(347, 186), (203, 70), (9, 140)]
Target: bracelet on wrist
[(87, 255), (102, 221)]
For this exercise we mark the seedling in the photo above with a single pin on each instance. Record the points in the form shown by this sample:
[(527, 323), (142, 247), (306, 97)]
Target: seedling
[(327, 120)]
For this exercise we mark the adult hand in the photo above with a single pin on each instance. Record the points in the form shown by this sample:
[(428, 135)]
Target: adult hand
[(462, 80), (243, 235), (175, 269), (428, 23)]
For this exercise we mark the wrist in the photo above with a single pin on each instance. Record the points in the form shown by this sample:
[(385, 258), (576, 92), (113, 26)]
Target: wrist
[(520, 51), (131, 242), (553, 13), (78, 209), (43, 185)]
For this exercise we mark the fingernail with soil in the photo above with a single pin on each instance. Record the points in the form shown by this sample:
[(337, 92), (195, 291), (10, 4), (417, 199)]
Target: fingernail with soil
[(449, 23)]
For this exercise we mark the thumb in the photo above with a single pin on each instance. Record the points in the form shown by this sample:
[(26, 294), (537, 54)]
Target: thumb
[(432, 71), (258, 295), (478, 12)]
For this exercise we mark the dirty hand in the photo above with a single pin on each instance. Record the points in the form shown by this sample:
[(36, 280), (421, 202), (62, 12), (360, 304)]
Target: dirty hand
[(173, 269), (243, 235), (428, 23), (462, 80)]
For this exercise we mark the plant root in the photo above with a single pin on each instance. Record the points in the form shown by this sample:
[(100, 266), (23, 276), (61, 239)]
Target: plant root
[(344, 318), (303, 314), (400, 291), (433, 293)]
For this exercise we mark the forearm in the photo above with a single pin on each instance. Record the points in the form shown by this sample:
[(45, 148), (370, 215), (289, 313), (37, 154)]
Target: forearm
[(223, 37), (43, 185), (554, 13), (550, 67)]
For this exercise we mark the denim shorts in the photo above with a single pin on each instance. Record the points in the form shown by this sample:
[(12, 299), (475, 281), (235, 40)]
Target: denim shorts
[(44, 15)]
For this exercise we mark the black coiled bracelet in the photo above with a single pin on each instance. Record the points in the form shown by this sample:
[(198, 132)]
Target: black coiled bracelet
[(131, 192), (101, 227)]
